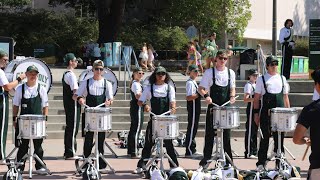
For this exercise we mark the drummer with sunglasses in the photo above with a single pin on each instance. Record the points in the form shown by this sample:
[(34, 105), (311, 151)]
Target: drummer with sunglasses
[(162, 99), (33, 99), (136, 113), (5, 86), (273, 89), (93, 92), (217, 86)]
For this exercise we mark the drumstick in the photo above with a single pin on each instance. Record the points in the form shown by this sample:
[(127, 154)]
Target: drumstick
[(99, 105), (168, 111), (305, 153), (86, 105), (215, 104), (152, 113), (229, 101)]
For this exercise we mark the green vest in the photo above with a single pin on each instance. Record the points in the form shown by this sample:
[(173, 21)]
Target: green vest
[(220, 94), (159, 105), (68, 102), (272, 100), (95, 100), (31, 105)]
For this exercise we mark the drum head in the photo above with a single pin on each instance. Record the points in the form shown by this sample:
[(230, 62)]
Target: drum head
[(108, 75), (17, 67), (146, 83)]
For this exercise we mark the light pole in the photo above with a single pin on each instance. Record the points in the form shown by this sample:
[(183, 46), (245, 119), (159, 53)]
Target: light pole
[(274, 28)]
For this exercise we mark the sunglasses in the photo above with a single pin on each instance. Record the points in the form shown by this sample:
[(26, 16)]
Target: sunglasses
[(222, 58), (274, 64), (195, 71), (161, 73), (141, 73), (98, 69)]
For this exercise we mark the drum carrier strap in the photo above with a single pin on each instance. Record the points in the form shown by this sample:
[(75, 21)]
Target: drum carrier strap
[(38, 89), (104, 88), (265, 86), (214, 77), (168, 90)]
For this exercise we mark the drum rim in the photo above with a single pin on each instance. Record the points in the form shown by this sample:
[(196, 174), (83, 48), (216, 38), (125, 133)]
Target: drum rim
[(284, 110), (114, 93), (225, 107), (28, 58)]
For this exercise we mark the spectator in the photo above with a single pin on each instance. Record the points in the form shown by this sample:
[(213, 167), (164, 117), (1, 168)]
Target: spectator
[(144, 56)]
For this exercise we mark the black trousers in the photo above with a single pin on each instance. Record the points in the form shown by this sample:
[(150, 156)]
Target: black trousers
[(23, 150), (194, 110), (71, 130), (88, 144), (135, 129), (287, 52), (209, 140), (265, 125), (149, 142), (253, 137)]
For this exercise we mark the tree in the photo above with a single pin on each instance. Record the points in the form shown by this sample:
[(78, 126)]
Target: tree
[(213, 15), (14, 3), (109, 14)]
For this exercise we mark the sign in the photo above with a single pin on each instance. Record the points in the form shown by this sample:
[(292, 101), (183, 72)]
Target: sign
[(6, 44), (314, 43)]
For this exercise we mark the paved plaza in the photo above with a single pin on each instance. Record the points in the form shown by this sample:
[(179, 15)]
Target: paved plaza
[(64, 169)]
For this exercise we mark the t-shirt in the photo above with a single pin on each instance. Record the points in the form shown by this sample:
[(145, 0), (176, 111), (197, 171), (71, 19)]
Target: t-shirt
[(96, 88), (315, 95), (30, 92), (273, 84), (71, 79), (308, 118), (136, 87), (3, 78), (191, 87), (158, 91), (249, 88), (221, 78)]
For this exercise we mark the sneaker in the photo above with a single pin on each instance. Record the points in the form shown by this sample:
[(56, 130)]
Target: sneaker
[(194, 155), (260, 168), (72, 158), (42, 171), (138, 171), (253, 157), (103, 171)]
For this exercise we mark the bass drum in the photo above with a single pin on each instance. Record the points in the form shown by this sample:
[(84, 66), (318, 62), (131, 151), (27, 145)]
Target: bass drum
[(19, 66), (108, 75), (146, 83)]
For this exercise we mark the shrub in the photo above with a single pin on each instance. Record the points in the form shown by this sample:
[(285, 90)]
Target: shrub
[(301, 47)]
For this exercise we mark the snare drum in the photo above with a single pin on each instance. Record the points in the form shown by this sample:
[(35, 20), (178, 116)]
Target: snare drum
[(165, 127), (32, 126), (98, 119), (226, 117), (283, 119)]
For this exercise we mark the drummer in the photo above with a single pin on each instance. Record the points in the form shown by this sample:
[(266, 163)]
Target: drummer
[(136, 113), (93, 92), (33, 99), (5, 86), (249, 88), (194, 109), (219, 91), (71, 107), (273, 89), (162, 99)]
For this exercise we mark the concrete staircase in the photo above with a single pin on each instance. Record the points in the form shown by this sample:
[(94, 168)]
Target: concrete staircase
[(300, 95)]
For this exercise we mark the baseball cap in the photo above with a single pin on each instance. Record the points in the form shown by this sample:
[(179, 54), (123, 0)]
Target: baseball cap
[(3, 53), (252, 72), (192, 67), (271, 59), (98, 63), (32, 68), (160, 69), (137, 69), (68, 57)]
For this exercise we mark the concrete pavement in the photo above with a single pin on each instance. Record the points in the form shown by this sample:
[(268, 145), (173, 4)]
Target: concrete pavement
[(64, 169)]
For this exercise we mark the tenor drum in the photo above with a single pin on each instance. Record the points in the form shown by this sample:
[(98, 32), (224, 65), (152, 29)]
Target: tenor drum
[(108, 75), (283, 119), (32, 126), (98, 119), (19, 66), (165, 127), (226, 117)]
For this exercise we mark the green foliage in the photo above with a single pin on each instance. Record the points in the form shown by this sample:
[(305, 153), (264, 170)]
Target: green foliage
[(301, 47), (213, 15), (165, 38), (33, 28), (15, 3)]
